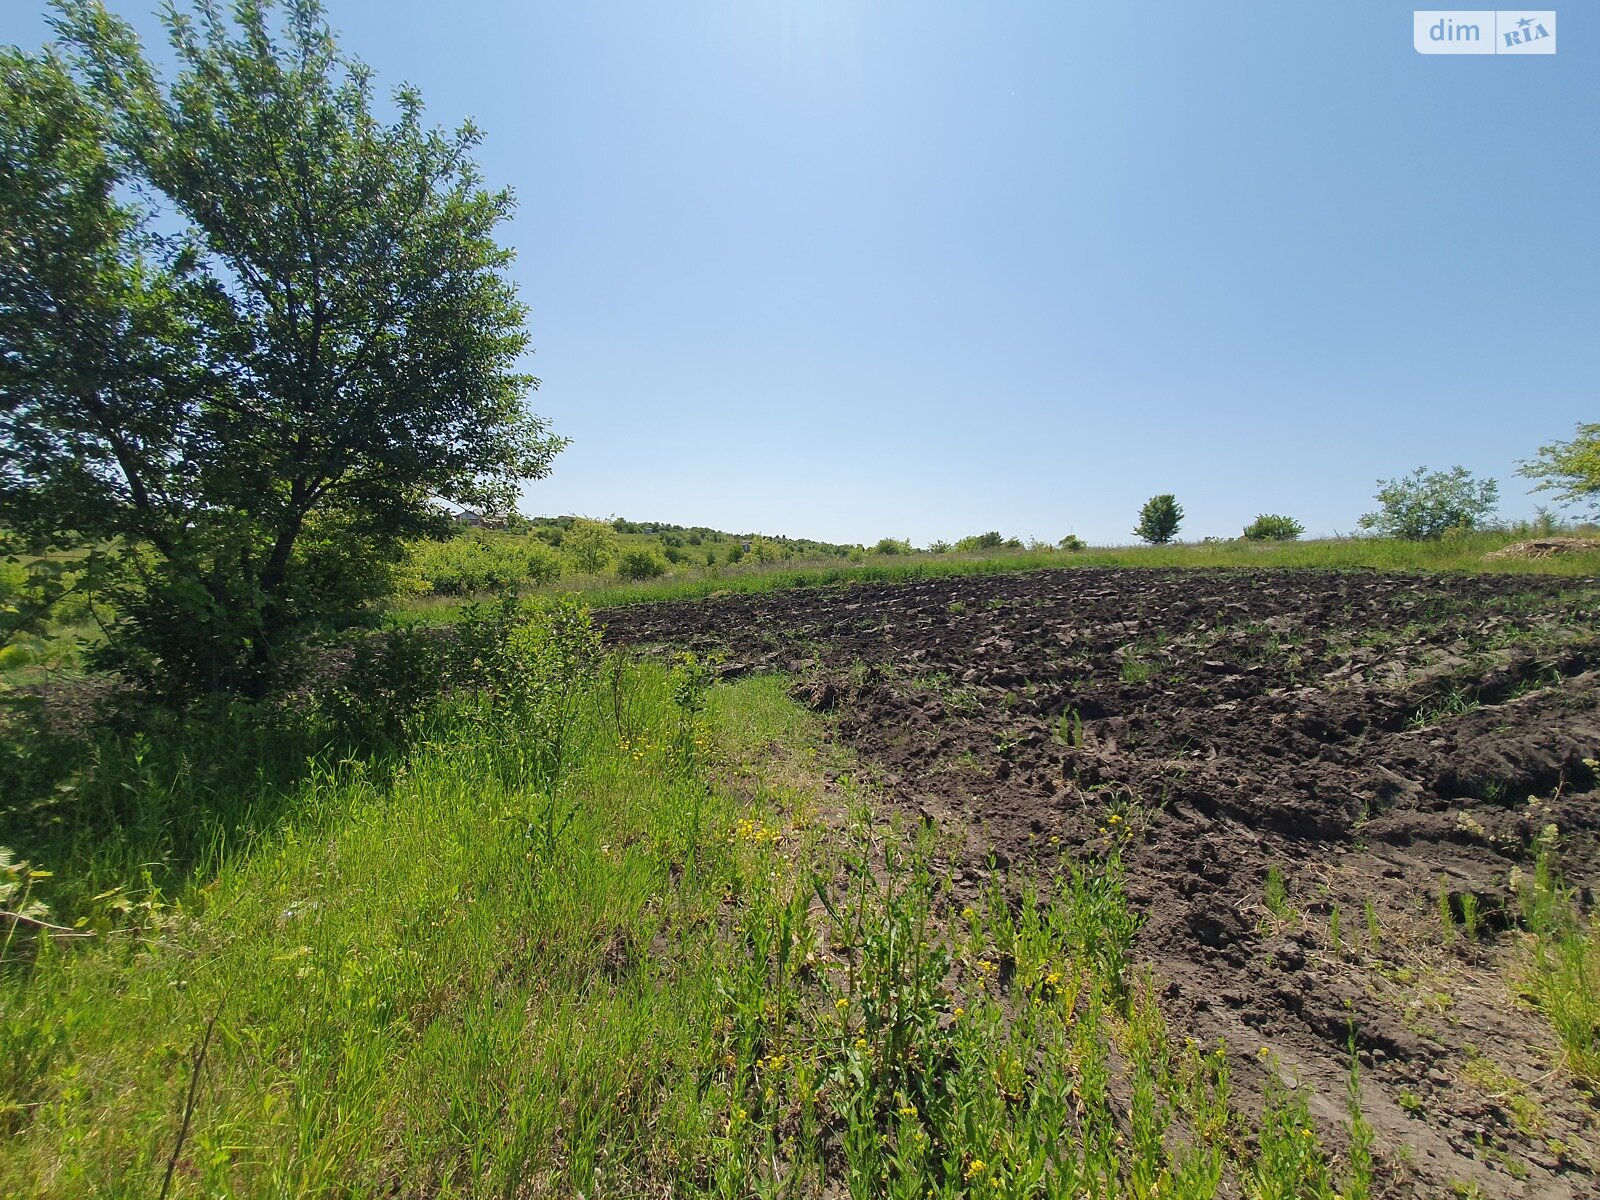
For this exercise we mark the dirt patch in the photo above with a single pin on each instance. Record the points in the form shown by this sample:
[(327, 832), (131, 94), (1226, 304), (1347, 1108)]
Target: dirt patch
[(1307, 768)]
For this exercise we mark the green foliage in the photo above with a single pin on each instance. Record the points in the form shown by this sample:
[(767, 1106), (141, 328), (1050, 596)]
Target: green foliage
[(1275, 894), (590, 544), (980, 541), (551, 938), (474, 564), (1569, 469), (1269, 527), (1072, 543), (1159, 519), (1466, 553), (641, 563), (891, 545), (1447, 919), (987, 541), (261, 401), (1562, 972), (33, 594), (1426, 504)]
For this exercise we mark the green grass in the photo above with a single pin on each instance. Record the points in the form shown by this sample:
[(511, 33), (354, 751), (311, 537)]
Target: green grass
[(451, 979), (37, 658), (1275, 894), (1561, 975), (654, 963), (1382, 554)]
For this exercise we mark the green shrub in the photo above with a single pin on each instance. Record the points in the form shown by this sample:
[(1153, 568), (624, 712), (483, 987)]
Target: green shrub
[(1072, 542), (1269, 527), (1159, 519), (476, 564), (891, 545), (13, 579), (590, 544), (982, 541), (1426, 504), (641, 563)]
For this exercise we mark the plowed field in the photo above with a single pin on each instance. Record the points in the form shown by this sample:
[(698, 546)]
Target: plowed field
[(1309, 769)]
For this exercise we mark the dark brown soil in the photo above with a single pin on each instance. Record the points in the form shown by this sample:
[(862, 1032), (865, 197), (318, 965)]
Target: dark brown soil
[(1376, 740)]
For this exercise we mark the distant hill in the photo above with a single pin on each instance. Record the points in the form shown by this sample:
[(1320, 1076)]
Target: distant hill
[(676, 537)]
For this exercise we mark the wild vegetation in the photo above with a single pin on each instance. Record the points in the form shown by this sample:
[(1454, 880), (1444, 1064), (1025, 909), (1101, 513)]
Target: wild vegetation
[(344, 850), (1345, 800), (354, 972), (249, 328), (1428, 504)]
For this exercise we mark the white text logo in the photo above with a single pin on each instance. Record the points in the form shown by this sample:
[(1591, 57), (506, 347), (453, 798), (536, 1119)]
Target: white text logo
[(1484, 31)]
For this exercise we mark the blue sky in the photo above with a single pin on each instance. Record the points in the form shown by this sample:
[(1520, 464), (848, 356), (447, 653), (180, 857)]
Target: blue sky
[(847, 270)]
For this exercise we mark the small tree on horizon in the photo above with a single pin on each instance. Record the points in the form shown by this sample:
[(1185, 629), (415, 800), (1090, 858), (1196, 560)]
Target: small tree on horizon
[(1425, 504), (1159, 519), (591, 544)]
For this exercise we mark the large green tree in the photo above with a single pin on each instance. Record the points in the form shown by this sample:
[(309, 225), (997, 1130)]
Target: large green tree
[(250, 329), (1569, 469)]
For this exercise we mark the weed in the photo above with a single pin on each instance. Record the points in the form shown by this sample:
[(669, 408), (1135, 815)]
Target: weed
[(1069, 729), (1134, 668), (1455, 703), (1358, 1183), (1504, 1089), (1561, 973), (1447, 920), (1470, 921), (1275, 893)]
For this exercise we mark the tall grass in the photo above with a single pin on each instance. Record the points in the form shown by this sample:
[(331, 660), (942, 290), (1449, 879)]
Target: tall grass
[(586, 930), (1456, 553), (1562, 971)]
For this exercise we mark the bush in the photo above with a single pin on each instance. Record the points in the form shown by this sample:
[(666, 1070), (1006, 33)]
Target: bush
[(1159, 519), (641, 563), (1072, 542), (1269, 527), (590, 544), (981, 541), (1425, 504), (476, 564), (892, 546), (939, 547)]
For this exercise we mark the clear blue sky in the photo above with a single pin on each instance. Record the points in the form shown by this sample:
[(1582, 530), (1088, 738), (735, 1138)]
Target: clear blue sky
[(918, 268)]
